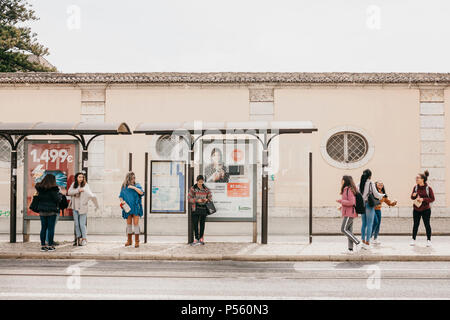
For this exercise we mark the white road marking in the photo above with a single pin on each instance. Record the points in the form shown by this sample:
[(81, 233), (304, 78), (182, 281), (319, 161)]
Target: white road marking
[(109, 296)]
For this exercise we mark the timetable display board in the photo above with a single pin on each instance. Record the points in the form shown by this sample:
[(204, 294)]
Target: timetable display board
[(168, 186)]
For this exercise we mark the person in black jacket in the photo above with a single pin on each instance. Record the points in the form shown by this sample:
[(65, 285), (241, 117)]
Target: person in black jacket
[(49, 198)]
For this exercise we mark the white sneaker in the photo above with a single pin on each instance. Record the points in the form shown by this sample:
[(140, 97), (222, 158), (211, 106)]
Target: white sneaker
[(376, 241), (364, 246), (428, 243), (412, 243)]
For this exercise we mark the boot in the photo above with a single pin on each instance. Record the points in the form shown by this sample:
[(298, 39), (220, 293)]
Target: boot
[(136, 240), (130, 240)]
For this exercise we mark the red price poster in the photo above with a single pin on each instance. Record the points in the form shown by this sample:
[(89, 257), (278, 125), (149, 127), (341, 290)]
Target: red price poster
[(240, 189), (42, 158)]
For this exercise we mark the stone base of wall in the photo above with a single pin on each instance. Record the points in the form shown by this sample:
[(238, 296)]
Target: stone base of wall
[(177, 226)]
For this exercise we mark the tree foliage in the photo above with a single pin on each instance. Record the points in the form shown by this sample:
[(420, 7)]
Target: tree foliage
[(17, 41)]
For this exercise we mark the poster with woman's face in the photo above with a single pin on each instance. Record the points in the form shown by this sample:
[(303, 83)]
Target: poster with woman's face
[(230, 178), (215, 170)]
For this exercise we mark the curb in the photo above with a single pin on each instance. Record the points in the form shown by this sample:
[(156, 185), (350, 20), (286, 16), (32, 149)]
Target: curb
[(254, 258)]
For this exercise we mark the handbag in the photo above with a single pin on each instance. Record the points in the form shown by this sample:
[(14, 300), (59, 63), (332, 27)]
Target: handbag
[(63, 204), (417, 203), (211, 208), (34, 205), (371, 200)]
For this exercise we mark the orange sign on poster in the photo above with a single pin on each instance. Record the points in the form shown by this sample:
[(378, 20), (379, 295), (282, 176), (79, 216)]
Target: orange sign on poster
[(238, 189), (237, 155)]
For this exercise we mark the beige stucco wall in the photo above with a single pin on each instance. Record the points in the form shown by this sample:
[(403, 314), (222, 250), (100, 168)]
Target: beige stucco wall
[(33, 104), (40, 103), (161, 104), (389, 116)]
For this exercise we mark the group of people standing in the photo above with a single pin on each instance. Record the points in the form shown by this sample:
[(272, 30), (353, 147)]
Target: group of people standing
[(371, 196), (49, 202), (365, 200)]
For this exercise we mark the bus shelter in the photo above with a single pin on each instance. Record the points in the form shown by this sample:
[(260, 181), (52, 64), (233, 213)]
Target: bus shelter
[(83, 132), (263, 131)]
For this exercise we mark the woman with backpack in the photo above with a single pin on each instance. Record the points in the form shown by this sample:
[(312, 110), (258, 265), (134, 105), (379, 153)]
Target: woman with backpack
[(198, 196), (130, 197), (377, 218), (422, 195), (80, 195), (371, 198), (348, 202), (48, 199)]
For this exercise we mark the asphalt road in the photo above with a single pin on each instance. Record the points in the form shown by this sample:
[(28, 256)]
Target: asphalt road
[(71, 279)]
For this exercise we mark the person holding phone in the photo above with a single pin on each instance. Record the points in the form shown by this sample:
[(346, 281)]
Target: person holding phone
[(198, 196), (130, 196)]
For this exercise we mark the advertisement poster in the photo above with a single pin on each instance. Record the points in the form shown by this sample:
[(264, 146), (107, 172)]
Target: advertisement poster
[(42, 158), (230, 173), (167, 183)]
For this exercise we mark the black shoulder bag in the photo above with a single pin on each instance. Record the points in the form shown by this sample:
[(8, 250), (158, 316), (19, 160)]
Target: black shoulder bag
[(371, 200), (34, 206), (211, 208)]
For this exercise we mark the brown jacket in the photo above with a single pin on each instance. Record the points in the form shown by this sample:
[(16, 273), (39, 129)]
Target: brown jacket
[(387, 201)]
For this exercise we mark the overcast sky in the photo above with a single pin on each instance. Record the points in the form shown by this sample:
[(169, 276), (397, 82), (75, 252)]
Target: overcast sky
[(245, 35)]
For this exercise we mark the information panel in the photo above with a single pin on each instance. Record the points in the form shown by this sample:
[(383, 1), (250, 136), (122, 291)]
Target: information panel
[(229, 167), (168, 185), (59, 158)]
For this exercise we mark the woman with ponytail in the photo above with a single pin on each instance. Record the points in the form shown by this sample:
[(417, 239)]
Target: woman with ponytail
[(368, 189), (422, 195)]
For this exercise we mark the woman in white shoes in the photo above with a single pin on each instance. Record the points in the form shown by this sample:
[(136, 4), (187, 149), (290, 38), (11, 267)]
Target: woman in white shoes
[(371, 198), (422, 195), (377, 218), (80, 195), (348, 202)]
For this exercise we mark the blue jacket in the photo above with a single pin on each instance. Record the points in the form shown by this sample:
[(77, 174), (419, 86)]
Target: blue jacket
[(133, 199)]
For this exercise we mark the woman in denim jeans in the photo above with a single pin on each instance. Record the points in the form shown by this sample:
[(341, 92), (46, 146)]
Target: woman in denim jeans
[(49, 198), (377, 220), (80, 195), (367, 187)]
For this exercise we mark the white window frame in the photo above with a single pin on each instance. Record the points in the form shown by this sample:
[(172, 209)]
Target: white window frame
[(347, 165)]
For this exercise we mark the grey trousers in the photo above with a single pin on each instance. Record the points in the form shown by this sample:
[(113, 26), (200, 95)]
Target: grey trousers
[(347, 229)]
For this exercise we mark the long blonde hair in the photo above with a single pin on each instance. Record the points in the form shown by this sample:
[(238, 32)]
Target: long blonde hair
[(128, 179)]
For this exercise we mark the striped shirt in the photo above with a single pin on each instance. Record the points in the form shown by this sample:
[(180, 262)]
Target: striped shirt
[(195, 194)]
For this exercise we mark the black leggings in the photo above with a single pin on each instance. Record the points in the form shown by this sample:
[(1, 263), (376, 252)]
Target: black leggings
[(199, 216), (425, 215)]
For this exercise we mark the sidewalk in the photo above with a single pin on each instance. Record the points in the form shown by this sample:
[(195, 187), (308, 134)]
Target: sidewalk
[(324, 248)]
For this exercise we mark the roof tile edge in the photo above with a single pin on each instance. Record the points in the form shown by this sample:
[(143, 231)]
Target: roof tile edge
[(223, 77)]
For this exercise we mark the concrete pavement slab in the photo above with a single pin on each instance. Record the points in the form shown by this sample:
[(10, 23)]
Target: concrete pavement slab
[(326, 248)]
